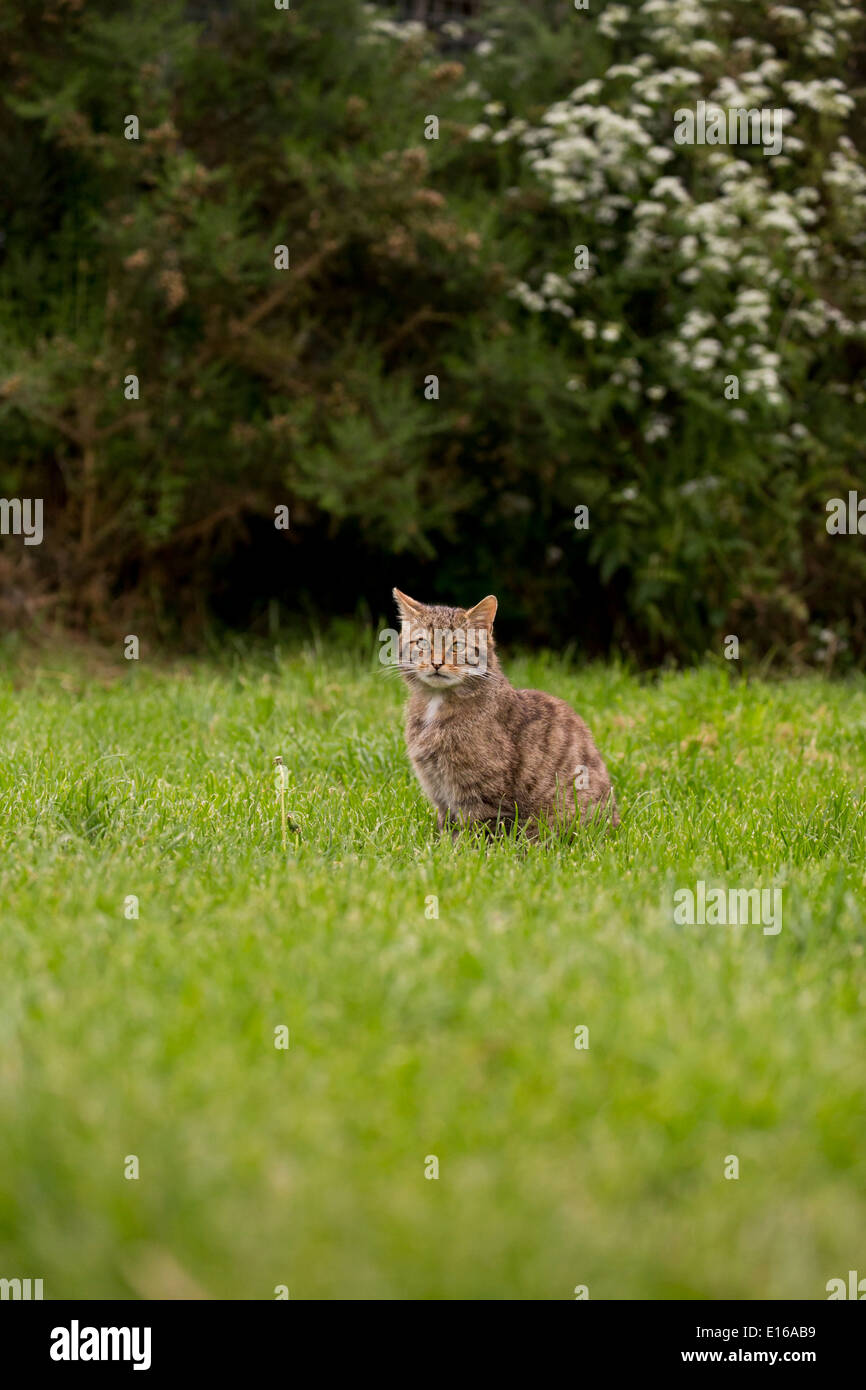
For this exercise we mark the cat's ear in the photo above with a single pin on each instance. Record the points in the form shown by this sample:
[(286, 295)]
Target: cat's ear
[(407, 606), (483, 613)]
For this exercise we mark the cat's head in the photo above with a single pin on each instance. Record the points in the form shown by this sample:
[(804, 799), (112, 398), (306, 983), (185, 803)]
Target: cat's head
[(445, 648)]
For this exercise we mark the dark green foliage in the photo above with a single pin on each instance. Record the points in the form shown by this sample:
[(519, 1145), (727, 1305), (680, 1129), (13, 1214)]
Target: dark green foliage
[(262, 387)]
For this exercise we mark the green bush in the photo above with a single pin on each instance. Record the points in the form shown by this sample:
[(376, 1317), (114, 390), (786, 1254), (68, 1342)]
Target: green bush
[(601, 386)]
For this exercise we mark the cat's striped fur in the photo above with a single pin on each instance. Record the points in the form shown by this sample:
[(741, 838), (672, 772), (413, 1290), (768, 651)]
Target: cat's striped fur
[(484, 752)]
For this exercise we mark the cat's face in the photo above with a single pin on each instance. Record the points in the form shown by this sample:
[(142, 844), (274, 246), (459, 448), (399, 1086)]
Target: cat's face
[(440, 648)]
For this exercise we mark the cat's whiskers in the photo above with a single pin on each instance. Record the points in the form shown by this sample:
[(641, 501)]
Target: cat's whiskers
[(393, 671)]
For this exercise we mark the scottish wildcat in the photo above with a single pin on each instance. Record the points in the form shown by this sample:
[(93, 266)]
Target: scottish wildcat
[(484, 752)]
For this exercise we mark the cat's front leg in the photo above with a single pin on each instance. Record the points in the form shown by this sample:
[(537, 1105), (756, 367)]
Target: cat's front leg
[(444, 819), (486, 816)]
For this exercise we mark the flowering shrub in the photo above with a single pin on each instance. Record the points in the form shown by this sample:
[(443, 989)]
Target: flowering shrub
[(667, 334), (719, 316)]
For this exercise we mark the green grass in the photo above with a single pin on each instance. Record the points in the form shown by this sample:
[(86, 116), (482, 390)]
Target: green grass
[(413, 1036)]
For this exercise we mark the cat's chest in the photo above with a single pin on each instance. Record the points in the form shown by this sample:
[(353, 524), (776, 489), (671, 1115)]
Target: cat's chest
[(439, 741), (454, 748), (435, 758), (432, 711), (432, 725)]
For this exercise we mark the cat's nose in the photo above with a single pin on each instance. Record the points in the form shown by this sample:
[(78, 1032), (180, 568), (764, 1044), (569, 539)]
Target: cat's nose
[(436, 665)]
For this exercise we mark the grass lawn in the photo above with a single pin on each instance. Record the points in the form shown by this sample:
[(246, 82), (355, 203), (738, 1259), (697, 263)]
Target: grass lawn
[(412, 1035)]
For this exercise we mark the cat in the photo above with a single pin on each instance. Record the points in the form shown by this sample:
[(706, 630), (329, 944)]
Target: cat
[(485, 753)]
